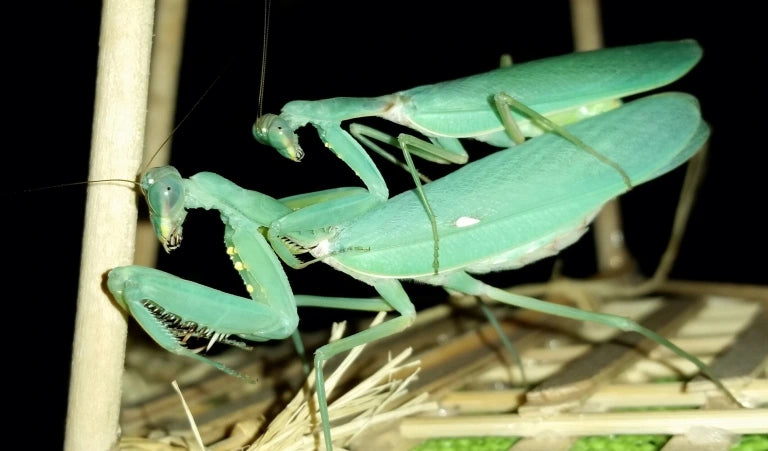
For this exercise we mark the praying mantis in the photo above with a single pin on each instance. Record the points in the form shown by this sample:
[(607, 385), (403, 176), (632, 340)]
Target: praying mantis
[(501, 107), (725, 209), (501, 212)]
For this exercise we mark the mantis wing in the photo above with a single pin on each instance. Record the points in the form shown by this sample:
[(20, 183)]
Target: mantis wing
[(464, 107), (527, 202)]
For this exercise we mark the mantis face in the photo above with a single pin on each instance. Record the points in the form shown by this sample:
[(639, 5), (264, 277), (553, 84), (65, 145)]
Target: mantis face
[(274, 131), (163, 188)]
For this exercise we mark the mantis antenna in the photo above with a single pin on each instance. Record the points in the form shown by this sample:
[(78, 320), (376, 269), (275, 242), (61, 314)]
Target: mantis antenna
[(267, 5)]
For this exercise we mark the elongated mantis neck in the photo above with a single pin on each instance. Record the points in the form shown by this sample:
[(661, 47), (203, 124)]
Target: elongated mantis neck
[(299, 112), (211, 191)]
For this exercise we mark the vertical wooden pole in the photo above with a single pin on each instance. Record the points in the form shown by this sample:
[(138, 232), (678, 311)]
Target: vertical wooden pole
[(110, 222), (612, 254)]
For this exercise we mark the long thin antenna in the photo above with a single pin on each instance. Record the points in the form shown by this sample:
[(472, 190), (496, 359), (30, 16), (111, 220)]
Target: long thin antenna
[(67, 185), (184, 119), (267, 6)]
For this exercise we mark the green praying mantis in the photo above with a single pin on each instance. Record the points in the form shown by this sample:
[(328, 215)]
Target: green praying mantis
[(500, 107), (501, 212)]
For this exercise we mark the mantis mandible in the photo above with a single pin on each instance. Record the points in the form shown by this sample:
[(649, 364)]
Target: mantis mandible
[(501, 212), (500, 107)]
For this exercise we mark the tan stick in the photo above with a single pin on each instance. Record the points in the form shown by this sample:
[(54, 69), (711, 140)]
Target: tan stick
[(110, 222), (579, 424), (612, 255), (587, 26)]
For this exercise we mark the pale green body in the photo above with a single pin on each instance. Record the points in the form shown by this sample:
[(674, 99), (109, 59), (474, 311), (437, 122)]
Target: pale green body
[(530, 201), (501, 107)]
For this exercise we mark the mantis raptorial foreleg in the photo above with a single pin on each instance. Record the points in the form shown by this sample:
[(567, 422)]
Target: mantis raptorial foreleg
[(172, 310)]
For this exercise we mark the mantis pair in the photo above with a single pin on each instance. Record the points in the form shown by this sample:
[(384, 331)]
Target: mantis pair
[(535, 199)]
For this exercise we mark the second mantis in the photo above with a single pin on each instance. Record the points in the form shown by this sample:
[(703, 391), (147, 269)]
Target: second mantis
[(501, 107)]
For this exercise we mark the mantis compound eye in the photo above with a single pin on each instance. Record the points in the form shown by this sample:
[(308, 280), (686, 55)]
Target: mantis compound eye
[(164, 191), (274, 131)]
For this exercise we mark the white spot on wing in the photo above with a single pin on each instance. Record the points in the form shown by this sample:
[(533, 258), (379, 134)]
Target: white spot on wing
[(466, 221)]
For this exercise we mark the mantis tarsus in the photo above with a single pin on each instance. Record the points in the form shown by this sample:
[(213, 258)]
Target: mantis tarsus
[(500, 107), (501, 212)]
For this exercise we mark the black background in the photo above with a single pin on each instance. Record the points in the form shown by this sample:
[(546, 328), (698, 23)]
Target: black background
[(348, 49)]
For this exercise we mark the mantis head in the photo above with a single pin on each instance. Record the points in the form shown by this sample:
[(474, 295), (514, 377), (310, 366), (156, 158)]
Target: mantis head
[(274, 131), (163, 188)]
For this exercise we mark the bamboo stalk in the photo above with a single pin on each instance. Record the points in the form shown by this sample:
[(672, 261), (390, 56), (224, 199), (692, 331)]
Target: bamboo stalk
[(581, 424), (110, 222), (608, 397), (612, 254), (587, 25)]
